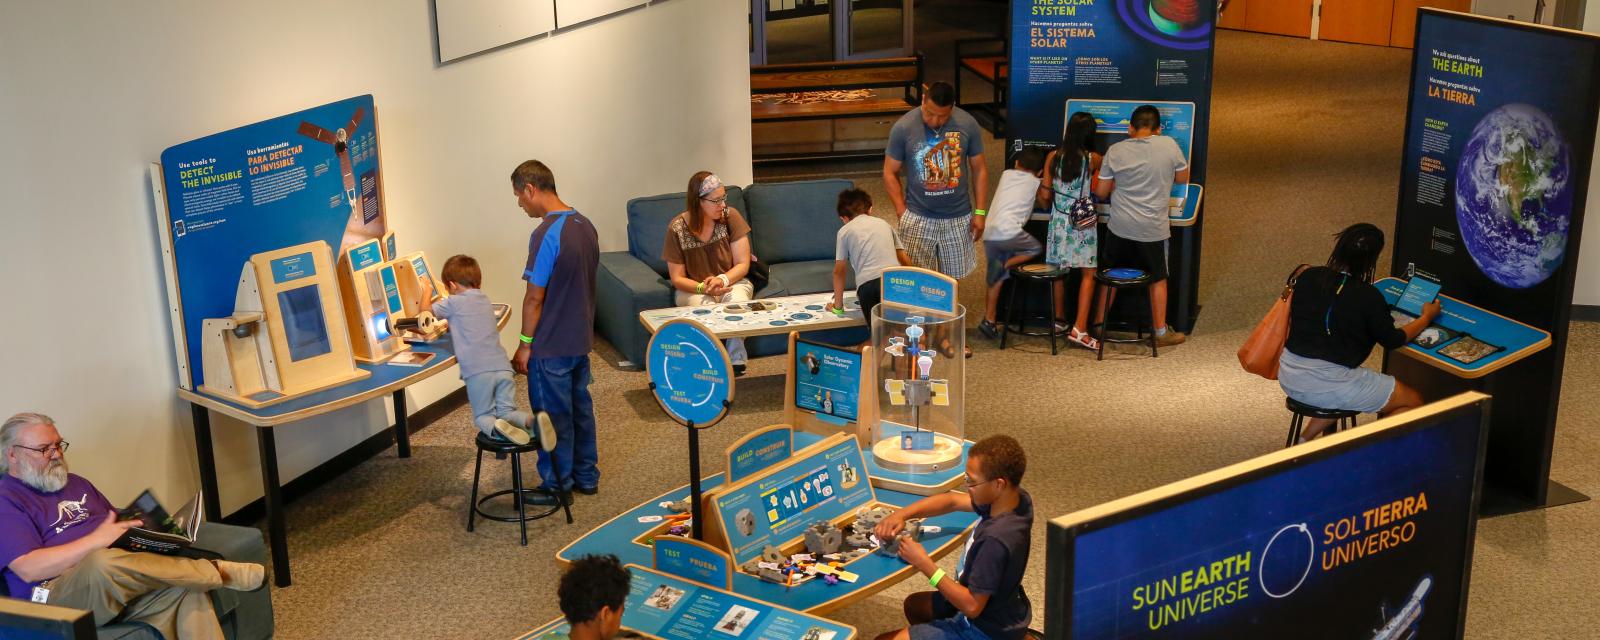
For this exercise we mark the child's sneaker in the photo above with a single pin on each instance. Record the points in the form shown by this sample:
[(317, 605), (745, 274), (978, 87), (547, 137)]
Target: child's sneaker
[(547, 431), (511, 432)]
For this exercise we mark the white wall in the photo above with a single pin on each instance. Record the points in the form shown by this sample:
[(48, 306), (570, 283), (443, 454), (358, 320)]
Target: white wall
[(90, 92), (1587, 290)]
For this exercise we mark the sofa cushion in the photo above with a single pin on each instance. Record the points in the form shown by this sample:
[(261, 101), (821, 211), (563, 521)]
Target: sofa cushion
[(794, 221), (810, 276), (649, 216)]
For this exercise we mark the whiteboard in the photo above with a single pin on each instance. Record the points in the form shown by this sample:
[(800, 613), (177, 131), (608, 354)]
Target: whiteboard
[(571, 12), (470, 26)]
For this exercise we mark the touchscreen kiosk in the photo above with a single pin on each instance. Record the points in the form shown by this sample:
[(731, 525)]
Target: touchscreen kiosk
[(371, 290), (829, 389), (285, 337), (415, 317), (1419, 292)]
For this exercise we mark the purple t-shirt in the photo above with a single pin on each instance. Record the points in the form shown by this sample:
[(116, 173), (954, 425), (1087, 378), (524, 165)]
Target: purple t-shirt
[(30, 519)]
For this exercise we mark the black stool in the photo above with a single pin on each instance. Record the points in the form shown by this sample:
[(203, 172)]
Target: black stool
[(1033, 274), (499, 448), (1342, 418), (1118, 279)]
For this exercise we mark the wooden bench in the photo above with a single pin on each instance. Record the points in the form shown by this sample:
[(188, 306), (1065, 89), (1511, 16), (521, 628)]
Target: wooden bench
[(986, 58), (831, 129)]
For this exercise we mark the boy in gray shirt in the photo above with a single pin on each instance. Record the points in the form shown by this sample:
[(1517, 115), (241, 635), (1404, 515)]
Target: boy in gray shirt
[(1137, 175), (867, 244), (475, 337)]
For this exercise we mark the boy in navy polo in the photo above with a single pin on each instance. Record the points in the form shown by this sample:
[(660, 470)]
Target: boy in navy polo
[(557, 331), (984, 600)]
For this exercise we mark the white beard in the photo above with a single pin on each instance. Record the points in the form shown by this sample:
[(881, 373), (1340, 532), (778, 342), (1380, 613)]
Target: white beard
[(48, 479)]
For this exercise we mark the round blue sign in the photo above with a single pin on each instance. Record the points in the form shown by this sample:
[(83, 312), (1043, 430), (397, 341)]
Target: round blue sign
[(690, 372)]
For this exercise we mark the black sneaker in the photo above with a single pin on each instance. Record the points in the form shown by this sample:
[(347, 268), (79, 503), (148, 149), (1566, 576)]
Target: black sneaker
[(542, 497), (738, 370), (588, 491), (988, 329)]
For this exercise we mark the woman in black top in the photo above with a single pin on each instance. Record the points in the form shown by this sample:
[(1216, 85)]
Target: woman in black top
[(1335, 319)]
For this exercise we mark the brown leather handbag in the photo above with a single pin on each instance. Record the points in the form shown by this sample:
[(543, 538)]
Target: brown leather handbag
[(1260, 352)]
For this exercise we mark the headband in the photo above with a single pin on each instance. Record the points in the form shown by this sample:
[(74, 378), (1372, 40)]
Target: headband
[(710, 184)]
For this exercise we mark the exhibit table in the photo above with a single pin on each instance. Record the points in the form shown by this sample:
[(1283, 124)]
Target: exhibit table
[(663, 606), (385, 379), (1499, 341), (628, 538), (768, 316)]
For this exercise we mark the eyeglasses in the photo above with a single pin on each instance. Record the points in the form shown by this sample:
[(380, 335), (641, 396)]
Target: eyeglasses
[(716, 202), (59, 446), (967, 480)]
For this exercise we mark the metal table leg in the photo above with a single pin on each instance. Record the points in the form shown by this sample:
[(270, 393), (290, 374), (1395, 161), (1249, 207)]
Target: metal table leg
[(277, 539), (402, 434), (207, 460)]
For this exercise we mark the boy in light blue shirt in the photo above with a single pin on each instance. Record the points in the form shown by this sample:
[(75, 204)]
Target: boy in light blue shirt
[(475, 336)]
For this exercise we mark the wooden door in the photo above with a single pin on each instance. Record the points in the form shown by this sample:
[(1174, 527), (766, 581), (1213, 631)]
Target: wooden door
[(1359, 21), (1233, 18), (1404, 30), (1283, 17)]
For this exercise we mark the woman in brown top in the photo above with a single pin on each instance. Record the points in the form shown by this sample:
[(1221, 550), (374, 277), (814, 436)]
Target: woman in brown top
[(707, 250)]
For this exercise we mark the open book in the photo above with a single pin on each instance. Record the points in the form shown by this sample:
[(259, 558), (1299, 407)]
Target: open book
[(160, 531)]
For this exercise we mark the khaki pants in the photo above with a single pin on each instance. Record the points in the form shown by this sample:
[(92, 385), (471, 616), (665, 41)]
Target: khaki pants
[(165, 592)]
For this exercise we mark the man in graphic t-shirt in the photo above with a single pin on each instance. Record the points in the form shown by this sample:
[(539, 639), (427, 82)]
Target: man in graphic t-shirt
[(941, 203), (55, 530)]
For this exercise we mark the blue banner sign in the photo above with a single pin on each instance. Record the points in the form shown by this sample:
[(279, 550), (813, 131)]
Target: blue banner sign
[(920, 289), (365, 255), (293, 267), (759, 451), (694, 560)]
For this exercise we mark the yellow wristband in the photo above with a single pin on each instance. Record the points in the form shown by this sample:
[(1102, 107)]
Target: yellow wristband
[(700, 288), (980, 212), (937, 575)]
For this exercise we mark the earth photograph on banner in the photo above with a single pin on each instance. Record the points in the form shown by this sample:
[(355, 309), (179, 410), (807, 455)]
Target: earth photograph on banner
[(1513, 196)]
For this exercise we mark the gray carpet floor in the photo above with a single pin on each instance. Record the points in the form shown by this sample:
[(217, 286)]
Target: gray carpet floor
[(1305, 140)]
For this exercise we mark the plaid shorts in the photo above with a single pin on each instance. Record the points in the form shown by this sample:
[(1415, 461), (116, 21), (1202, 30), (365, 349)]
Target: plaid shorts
[(940, 244)]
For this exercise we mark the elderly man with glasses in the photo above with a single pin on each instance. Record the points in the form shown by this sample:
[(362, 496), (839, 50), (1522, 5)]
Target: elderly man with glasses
[(55, 530)]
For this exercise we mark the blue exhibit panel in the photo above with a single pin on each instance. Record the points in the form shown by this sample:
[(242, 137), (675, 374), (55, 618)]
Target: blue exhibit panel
[(1385, 525), (828, 380), (769, 448), (391, 289), (365, 255), (1510, 339), (918, 289), (618, 536), (662, 606), (259, 188), (679, 557), (295, 267), (818, 488)]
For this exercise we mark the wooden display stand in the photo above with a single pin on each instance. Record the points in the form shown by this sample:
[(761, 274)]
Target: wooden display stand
[(807, 420), (248, 356), (365, 280)]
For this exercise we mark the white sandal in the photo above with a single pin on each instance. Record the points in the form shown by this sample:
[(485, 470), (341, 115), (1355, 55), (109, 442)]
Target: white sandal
[(1083, 339)]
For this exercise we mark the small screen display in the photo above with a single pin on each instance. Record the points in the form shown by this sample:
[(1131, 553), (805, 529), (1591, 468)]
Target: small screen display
[(303, 325), (827, 379), (1419, 291)]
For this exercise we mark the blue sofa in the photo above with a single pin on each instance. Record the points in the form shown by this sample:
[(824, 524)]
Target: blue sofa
[(792, 230)]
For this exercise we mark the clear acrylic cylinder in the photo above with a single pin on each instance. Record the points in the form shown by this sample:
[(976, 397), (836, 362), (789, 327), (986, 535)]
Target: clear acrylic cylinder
[(921, 378)]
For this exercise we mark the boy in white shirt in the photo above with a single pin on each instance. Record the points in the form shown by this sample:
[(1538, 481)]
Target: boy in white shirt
[(1004, 241), (867, 244)]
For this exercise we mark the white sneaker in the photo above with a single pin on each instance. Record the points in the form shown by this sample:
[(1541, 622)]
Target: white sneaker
[(240, 576), (511, 432), (547, 431)]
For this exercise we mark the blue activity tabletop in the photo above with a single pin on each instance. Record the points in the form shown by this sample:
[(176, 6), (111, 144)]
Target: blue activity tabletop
[(620, 536), (664, 606), (1187, 217), (385, 379), (1514, 339)]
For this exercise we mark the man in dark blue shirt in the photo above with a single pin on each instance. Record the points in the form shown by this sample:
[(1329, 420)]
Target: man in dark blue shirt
[(984, 600), (557, 331)]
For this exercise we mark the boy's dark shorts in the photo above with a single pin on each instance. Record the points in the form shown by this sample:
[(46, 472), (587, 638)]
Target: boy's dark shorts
[(1117, 251)]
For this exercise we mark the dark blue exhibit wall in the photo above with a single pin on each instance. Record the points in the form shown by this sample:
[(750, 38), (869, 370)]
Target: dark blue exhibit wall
[(1384, 524), (1157, 50), (1494, 175)]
